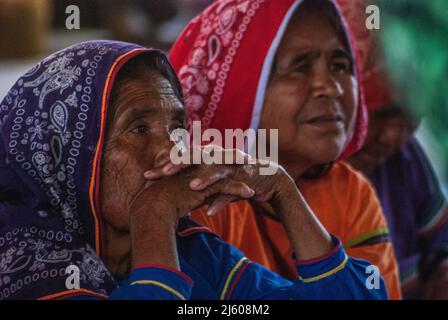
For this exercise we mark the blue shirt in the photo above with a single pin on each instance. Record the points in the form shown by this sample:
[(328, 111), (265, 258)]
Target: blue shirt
[(214, 269)]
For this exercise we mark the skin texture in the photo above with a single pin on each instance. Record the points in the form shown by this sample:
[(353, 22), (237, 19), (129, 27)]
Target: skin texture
[(137, 136), (313, 86), (141, 215)]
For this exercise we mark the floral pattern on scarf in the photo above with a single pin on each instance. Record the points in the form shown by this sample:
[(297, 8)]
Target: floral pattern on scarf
[(50, 126)]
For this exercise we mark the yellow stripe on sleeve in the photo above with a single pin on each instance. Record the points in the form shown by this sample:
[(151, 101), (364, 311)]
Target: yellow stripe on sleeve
[(365, 237), (162, 285), (229, 278), (326, 274)]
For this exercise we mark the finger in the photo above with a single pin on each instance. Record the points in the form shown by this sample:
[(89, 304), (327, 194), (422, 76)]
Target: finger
[(161, 158), (236, 156), (228, 186), (208, 178), (231, 156), (158, 172), (219, 203), (168, 169), (172, 169)]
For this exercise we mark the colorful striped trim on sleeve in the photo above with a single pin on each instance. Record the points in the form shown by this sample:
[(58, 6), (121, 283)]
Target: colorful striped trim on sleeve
[(193, 230), (162, 285), (437, 219), (233, 278), (163, 267), (71, 293), (326, 274), (380, 235), (410, 279)]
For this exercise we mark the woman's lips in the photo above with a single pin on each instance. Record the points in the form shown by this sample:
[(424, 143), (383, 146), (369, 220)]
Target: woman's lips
[(327, 121)]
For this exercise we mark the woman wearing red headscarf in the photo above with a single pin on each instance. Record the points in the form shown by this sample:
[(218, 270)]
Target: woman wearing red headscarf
[(286, 65)]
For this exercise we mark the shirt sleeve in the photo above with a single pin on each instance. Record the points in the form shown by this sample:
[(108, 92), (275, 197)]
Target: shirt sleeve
[(149, 282), (432, 209), (333, 276), (367, 234)]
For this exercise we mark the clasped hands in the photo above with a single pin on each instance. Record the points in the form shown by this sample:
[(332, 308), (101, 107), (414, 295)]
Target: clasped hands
[(180, 188)]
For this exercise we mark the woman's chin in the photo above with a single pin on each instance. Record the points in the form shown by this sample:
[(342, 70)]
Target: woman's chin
[(321, 149), (313, 153), (325, 154)]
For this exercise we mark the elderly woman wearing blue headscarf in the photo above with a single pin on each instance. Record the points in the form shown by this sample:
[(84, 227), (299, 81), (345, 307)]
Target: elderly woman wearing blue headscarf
[(79, 220)]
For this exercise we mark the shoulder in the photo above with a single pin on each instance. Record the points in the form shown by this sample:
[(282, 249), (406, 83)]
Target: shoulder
[(341, 182), (344, 202), (360, 190), (343, 171)]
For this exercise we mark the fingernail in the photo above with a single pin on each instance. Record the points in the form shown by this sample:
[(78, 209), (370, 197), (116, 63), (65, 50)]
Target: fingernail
[(168, 169), (148, 174), (195, 183), (251, 191)]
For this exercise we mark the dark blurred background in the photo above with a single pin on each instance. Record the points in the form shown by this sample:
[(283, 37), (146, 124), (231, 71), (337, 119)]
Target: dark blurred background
[(31, 29)]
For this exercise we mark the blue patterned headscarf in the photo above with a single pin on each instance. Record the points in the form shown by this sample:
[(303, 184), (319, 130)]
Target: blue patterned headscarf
[(51, 128)]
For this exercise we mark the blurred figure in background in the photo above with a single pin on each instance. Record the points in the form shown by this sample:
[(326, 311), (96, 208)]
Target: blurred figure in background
[(410, 193), (409, 190), (416, 49)]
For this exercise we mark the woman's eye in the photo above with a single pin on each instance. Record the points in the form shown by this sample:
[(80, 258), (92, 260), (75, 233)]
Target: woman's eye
[(140, 129), (340, 67), (303, 67)]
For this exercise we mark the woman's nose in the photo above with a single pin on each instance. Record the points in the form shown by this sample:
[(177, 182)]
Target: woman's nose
[(163, 154), (323, 83)]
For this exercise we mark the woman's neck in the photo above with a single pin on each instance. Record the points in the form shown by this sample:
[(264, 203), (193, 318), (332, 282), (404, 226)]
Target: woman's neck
[(295, 168), (118, 251)]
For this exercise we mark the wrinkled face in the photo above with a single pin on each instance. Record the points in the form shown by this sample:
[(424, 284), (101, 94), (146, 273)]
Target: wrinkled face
[(312, 94), (389, 129), (137, 135)]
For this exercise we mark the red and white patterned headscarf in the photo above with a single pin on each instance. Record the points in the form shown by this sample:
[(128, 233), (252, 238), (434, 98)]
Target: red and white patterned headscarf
[(223, 59), (377, 89)]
